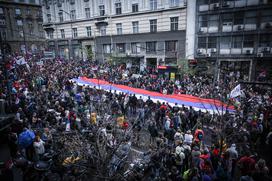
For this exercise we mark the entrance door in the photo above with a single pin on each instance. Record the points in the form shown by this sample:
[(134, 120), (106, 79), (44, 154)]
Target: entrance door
[(151, 62)]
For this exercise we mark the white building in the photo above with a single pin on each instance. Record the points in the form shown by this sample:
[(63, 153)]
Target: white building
[(148, 31)]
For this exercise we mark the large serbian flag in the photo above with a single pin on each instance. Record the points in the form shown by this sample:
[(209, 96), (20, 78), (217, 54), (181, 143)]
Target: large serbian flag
[(211, 105)]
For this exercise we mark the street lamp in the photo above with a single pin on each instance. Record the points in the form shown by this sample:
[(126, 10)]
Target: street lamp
[(71, 24)]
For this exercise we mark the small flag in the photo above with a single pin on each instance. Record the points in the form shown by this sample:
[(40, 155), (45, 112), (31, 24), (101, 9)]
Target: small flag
[(236, 91)]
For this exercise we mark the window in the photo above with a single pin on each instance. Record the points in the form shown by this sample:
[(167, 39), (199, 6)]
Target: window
[(87, 12), (39, 13), (265, 40), (226, 19), (30, 28), (74, 30), (40, 27), (135, 48), (73, 14), (248, 41), (102, 10), (213, 20), (102, 30), (18, 11), (171, 46), (201, 42), (135, 26), (28, 12), (212, 42), (174, 3), (120, 47), (237, 42), (1, 11), (4, 34), (251, 17), (225, 43), (153, 4), (119, 28), (2, 22), (135, 8), (153, 25), (203, 21), (89, 31), (107, 48), (19, 22), (50, 35), (49, 18), (62, 33), (60, 16), (266, 16), (151, 47), (238, 18), (118, 8), (174, 23)]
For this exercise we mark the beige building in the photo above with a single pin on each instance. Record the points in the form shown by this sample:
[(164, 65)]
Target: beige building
[(21, 26), (145, 32)]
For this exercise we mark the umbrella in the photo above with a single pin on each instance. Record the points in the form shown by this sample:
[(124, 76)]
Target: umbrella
[(26, 138)]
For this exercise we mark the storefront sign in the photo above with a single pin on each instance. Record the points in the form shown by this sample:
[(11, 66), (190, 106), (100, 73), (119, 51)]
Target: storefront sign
[(162, 67), (172, 76)]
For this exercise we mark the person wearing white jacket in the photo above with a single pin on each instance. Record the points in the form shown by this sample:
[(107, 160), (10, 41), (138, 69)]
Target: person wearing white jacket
[(38, 145)]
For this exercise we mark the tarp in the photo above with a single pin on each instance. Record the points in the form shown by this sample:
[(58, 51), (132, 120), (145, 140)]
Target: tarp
[(211, 105)]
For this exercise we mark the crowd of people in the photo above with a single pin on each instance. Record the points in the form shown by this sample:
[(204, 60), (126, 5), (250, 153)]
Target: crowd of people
[(185, 144)]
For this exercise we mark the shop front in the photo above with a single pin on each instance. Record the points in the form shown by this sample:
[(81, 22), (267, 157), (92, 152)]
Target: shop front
[(170, 72)]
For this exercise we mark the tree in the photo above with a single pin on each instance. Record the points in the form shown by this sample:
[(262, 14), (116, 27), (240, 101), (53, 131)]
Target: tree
[(88, 51), (184, 67)]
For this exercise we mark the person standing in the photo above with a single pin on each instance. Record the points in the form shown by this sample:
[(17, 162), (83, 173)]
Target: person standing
[(38, 145)]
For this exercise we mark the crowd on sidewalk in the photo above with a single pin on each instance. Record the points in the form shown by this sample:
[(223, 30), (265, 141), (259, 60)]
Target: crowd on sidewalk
[(177, 134)]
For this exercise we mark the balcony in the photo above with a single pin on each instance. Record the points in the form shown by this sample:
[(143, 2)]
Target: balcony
[(203, 7), (252, 2), (48, 27), (101, 22), (201, 52), (236, 51), (266, 26), (211, 52), (250, 27), (225, 51), (213, 29), (266, 50), (239, 27), (227, 4), (203, 30), (248, 51), (241, 3), (214, 6), (226, 28)]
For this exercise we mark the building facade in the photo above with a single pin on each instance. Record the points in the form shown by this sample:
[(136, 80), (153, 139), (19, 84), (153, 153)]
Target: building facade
[(232, 36), (148, 32), (21, 26)]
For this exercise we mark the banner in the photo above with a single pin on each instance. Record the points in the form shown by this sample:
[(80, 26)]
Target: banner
[(172, 76), (236, 91), (211, 105), (40, 63), (20, 61)]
